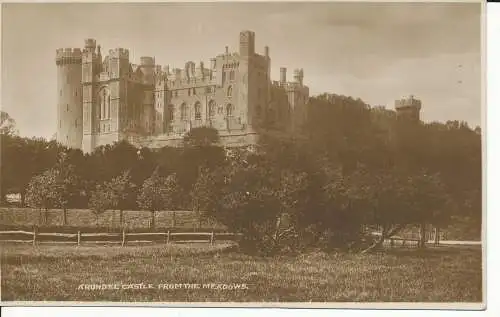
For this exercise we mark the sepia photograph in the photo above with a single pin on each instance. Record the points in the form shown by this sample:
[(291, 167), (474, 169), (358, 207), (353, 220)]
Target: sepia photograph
[(243, 154)]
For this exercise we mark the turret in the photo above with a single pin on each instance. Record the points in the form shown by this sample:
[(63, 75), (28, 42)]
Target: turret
[(283, 75), (408, 107), (148, 67), (69, 95), (298, 76), (247, 43), (119, 63)]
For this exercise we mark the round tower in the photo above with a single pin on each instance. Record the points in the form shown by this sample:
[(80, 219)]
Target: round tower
[(408, 108), (69, 93)]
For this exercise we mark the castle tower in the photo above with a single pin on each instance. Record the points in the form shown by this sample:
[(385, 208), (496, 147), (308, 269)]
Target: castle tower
[(118, 79), (247, 88), (148, 110), (408, 108), (69, 90), (90, 69)]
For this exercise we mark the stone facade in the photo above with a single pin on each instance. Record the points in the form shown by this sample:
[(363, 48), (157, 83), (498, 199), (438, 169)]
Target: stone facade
[(104, 100)]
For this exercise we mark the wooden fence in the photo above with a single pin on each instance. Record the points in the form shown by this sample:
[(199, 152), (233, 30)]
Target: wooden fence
[(34, 237)]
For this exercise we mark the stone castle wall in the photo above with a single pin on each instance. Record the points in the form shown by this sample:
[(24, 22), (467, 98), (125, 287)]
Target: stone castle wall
[(154, 105)]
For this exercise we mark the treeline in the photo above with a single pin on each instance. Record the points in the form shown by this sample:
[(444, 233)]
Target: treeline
[(351, 166)]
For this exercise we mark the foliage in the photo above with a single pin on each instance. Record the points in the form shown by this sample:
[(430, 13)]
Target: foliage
[(201, 137), (42, 191), (122, 191), (352, 166), (101, 199), (158, 193), (7, 124)]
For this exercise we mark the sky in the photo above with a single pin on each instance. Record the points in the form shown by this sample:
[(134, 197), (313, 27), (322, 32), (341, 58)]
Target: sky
[(378, 52)]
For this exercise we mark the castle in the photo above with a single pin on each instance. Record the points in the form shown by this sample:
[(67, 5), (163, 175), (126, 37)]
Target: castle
[(104, 100)]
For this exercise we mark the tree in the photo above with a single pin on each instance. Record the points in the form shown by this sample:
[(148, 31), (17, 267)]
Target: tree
[(122, 192), (158, 193), (201, 137), (7, 124), (206, 192), (386, 197), (101, 199), (42, 192), (67, 184)]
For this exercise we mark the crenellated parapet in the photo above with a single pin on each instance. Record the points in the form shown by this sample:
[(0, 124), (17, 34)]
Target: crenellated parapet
[(408, 102), (119, 53), (65, 56)]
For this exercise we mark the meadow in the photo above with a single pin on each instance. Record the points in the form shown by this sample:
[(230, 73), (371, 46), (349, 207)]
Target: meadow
[(54, 273)]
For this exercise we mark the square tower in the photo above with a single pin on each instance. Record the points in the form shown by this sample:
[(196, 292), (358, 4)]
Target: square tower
[(247, 43)]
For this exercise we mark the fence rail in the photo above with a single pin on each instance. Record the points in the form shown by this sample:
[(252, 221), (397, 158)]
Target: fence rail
[(34, 237)]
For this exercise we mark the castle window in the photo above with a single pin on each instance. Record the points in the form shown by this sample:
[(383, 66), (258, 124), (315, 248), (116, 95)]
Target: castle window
[(67, 107), (194, 91), (211, 109), (229, 110), (171, 112), (76, 92), (76, 123), (109, 107), (231, 75), (229, 91), (197, 111), (184, 111)]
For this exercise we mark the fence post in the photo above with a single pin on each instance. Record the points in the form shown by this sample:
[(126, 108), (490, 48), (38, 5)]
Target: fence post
[(212, 238), (78, 237), (123, 237), (34, 235), (168, 236), (436, 236)]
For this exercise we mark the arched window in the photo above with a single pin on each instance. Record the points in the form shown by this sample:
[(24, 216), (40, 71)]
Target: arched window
[(171, 110), (109, 106), (197, 111), (229, 110), (104, 98), (184, 112), (211, 109), (229, 91)]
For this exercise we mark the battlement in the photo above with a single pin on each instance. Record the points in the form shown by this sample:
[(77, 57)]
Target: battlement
[(119, 53), (68, 56), (286, 85), (90, 43), (147, 61), (407, 102)]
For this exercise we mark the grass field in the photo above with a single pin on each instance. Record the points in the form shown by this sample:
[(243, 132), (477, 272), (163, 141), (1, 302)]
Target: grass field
[(54, 273)]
